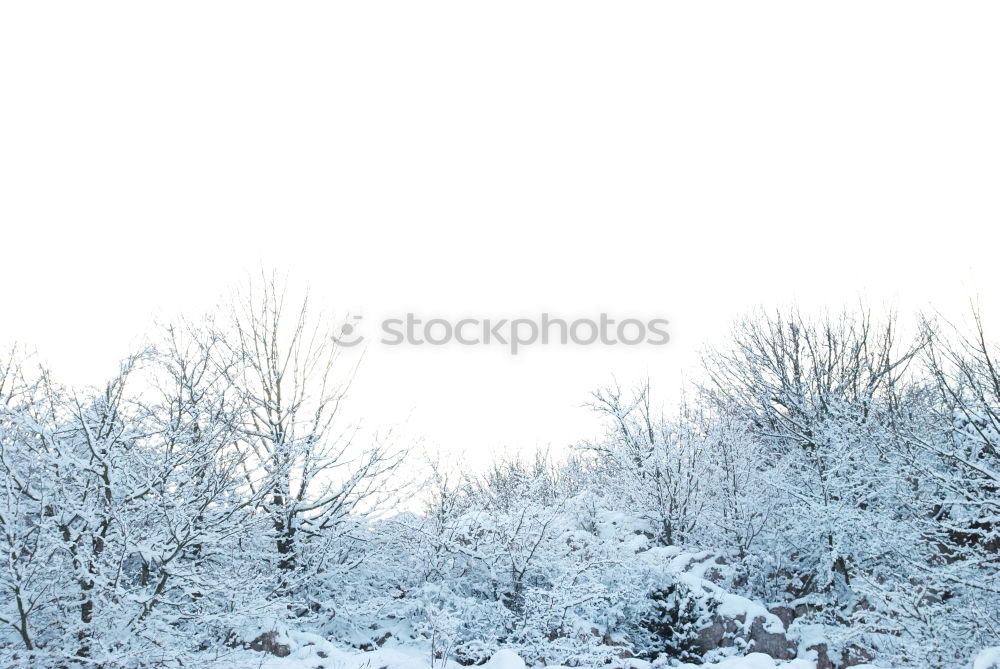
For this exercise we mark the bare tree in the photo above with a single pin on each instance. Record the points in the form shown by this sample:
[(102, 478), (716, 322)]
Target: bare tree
[(962, 453), (655, 461), (286, 364), (823, 395), (25, 575)]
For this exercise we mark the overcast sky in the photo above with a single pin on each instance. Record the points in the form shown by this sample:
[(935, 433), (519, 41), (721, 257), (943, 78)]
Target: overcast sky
[(468, 160)]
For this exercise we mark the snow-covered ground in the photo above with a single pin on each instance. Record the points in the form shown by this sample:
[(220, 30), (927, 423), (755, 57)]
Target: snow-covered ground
[(989, 658), (312, 652)]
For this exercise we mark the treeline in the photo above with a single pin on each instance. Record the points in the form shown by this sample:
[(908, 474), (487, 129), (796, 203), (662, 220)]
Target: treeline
[(843, 475)]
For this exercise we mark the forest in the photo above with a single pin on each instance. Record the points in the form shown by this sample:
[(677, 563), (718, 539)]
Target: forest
[(826, 494)]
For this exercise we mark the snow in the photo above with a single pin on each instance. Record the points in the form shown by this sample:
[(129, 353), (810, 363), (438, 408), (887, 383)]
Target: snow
[(693, 568), (662, 538), (323, 655), (988, 658), (756, 661), (312, 652), (505, 659)]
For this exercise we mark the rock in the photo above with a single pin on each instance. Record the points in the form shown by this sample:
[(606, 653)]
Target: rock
[(854, 655), (822, 656), (268, 643), (718, 634), (775, 644), (786, 614), (849, 657), (804, 610), (727, 632)]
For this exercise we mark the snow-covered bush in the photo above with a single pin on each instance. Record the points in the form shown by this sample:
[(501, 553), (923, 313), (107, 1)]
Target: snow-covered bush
[(676, 615)]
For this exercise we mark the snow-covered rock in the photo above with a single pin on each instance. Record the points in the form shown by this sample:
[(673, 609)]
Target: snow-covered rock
[(988, 658)]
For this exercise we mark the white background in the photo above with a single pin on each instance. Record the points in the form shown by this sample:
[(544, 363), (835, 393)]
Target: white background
[(681, 160)]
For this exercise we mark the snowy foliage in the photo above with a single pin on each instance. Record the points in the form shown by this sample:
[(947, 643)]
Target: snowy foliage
[(205, 503)]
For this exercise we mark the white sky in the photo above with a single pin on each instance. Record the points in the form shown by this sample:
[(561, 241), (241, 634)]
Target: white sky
[(680, 160)]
